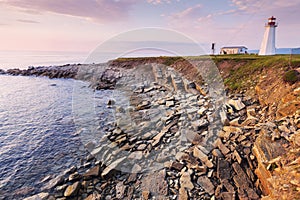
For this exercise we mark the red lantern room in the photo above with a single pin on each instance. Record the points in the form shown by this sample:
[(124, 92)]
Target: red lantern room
[(272, 22)]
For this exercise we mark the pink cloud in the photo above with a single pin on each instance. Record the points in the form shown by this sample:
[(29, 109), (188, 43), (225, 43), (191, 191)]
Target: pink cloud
[(156, 2), (97, 10), (188, 13)]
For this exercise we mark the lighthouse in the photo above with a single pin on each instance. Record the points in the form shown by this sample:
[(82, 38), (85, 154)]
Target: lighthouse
[(268, 43)]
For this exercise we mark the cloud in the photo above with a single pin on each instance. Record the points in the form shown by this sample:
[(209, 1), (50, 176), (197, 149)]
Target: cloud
[(252, 6), (27, 21), (156, 2), (97, 10), (189, 12)]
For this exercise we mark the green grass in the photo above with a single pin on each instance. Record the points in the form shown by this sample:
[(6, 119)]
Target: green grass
[(291, 76), (246, 75)]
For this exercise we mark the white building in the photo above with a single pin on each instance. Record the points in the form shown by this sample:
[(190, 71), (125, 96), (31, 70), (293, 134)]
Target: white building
[(234, 50), (268, 43)]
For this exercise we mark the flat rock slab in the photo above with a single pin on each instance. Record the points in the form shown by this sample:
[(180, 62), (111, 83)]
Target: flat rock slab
[(112, 166), (223, 169), (155, 183), (185, 181), (206, 184), (92, 172), (72, 189)]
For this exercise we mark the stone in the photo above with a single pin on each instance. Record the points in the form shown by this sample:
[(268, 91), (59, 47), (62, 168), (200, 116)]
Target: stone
[(136, 169), (237, 104), (237, 156), (72, 189), (222, 147), (74, 177), (136, 155), (183, 195), (224, 119), (203, 157), (159, 136), (54, 182), (177, 166), (193, 137), (217, 153), (181, 156), (206, 184), (142, 147), (92, 172), (170, 103), (199, 124), (93, 197), (185, 181), (228, 186), (111, 102), (201, 111), (228, 195), (112, 166), (243, 183), (223, 169), (131, 178), (146, 194), (232, 129), (40, 196), (155, 183), (120, 190), (144, 105)]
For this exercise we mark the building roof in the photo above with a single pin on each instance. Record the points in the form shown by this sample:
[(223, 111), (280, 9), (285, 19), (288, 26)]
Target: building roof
[(234, 47)]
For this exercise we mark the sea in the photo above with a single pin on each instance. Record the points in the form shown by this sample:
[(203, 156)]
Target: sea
[(40, 122), (24, 59)]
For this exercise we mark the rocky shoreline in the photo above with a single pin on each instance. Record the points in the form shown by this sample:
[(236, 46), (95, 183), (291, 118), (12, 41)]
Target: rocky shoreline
[(157, 148)]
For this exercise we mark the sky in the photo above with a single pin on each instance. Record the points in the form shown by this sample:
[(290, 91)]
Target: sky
[(83, 25)]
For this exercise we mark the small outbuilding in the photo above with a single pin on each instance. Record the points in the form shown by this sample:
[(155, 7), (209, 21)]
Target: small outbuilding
[(234, 50)]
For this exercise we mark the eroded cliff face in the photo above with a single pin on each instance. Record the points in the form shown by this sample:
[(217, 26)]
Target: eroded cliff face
[(277, 148), (274, 124)]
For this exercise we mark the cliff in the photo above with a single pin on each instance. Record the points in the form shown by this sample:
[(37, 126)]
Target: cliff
[(256, 154)]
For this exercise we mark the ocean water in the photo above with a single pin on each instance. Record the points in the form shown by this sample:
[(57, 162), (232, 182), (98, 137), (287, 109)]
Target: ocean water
[(23, 59), (38, 131)]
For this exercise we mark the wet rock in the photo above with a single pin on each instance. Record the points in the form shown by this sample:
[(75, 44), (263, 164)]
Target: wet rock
[(136, 155), (40, 196), (74, 177), (72, 189), (142, 147), (54, 182), (131, 178), (112, 166), (92, 172), (194, 137), (159, 136), (136, 168)]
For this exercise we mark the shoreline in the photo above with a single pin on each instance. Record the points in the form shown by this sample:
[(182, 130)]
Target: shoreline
[(196, 171)]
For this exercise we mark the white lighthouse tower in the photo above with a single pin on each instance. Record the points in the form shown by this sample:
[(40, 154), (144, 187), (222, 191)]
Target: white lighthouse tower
[(268, 43)]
